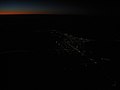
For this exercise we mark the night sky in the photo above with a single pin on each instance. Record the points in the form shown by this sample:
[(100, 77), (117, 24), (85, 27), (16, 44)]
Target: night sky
[(59, 7), (45, 7)]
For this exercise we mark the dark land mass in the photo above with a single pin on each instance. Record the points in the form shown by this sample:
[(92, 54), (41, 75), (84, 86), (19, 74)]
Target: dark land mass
[(28, 46), (94, 26)]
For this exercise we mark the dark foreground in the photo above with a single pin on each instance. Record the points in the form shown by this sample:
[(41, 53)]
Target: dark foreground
[(29, 48)]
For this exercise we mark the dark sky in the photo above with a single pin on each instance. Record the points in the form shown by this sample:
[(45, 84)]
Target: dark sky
[(50, 6), (60, 7)]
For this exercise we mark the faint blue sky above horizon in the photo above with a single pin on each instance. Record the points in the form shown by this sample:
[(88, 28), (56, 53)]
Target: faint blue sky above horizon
[(51, 7)]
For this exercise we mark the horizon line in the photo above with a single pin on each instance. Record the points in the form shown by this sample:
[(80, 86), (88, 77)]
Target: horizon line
[(20, 13)]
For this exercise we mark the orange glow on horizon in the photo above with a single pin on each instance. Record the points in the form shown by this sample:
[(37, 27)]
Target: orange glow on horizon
[(14, 13)]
